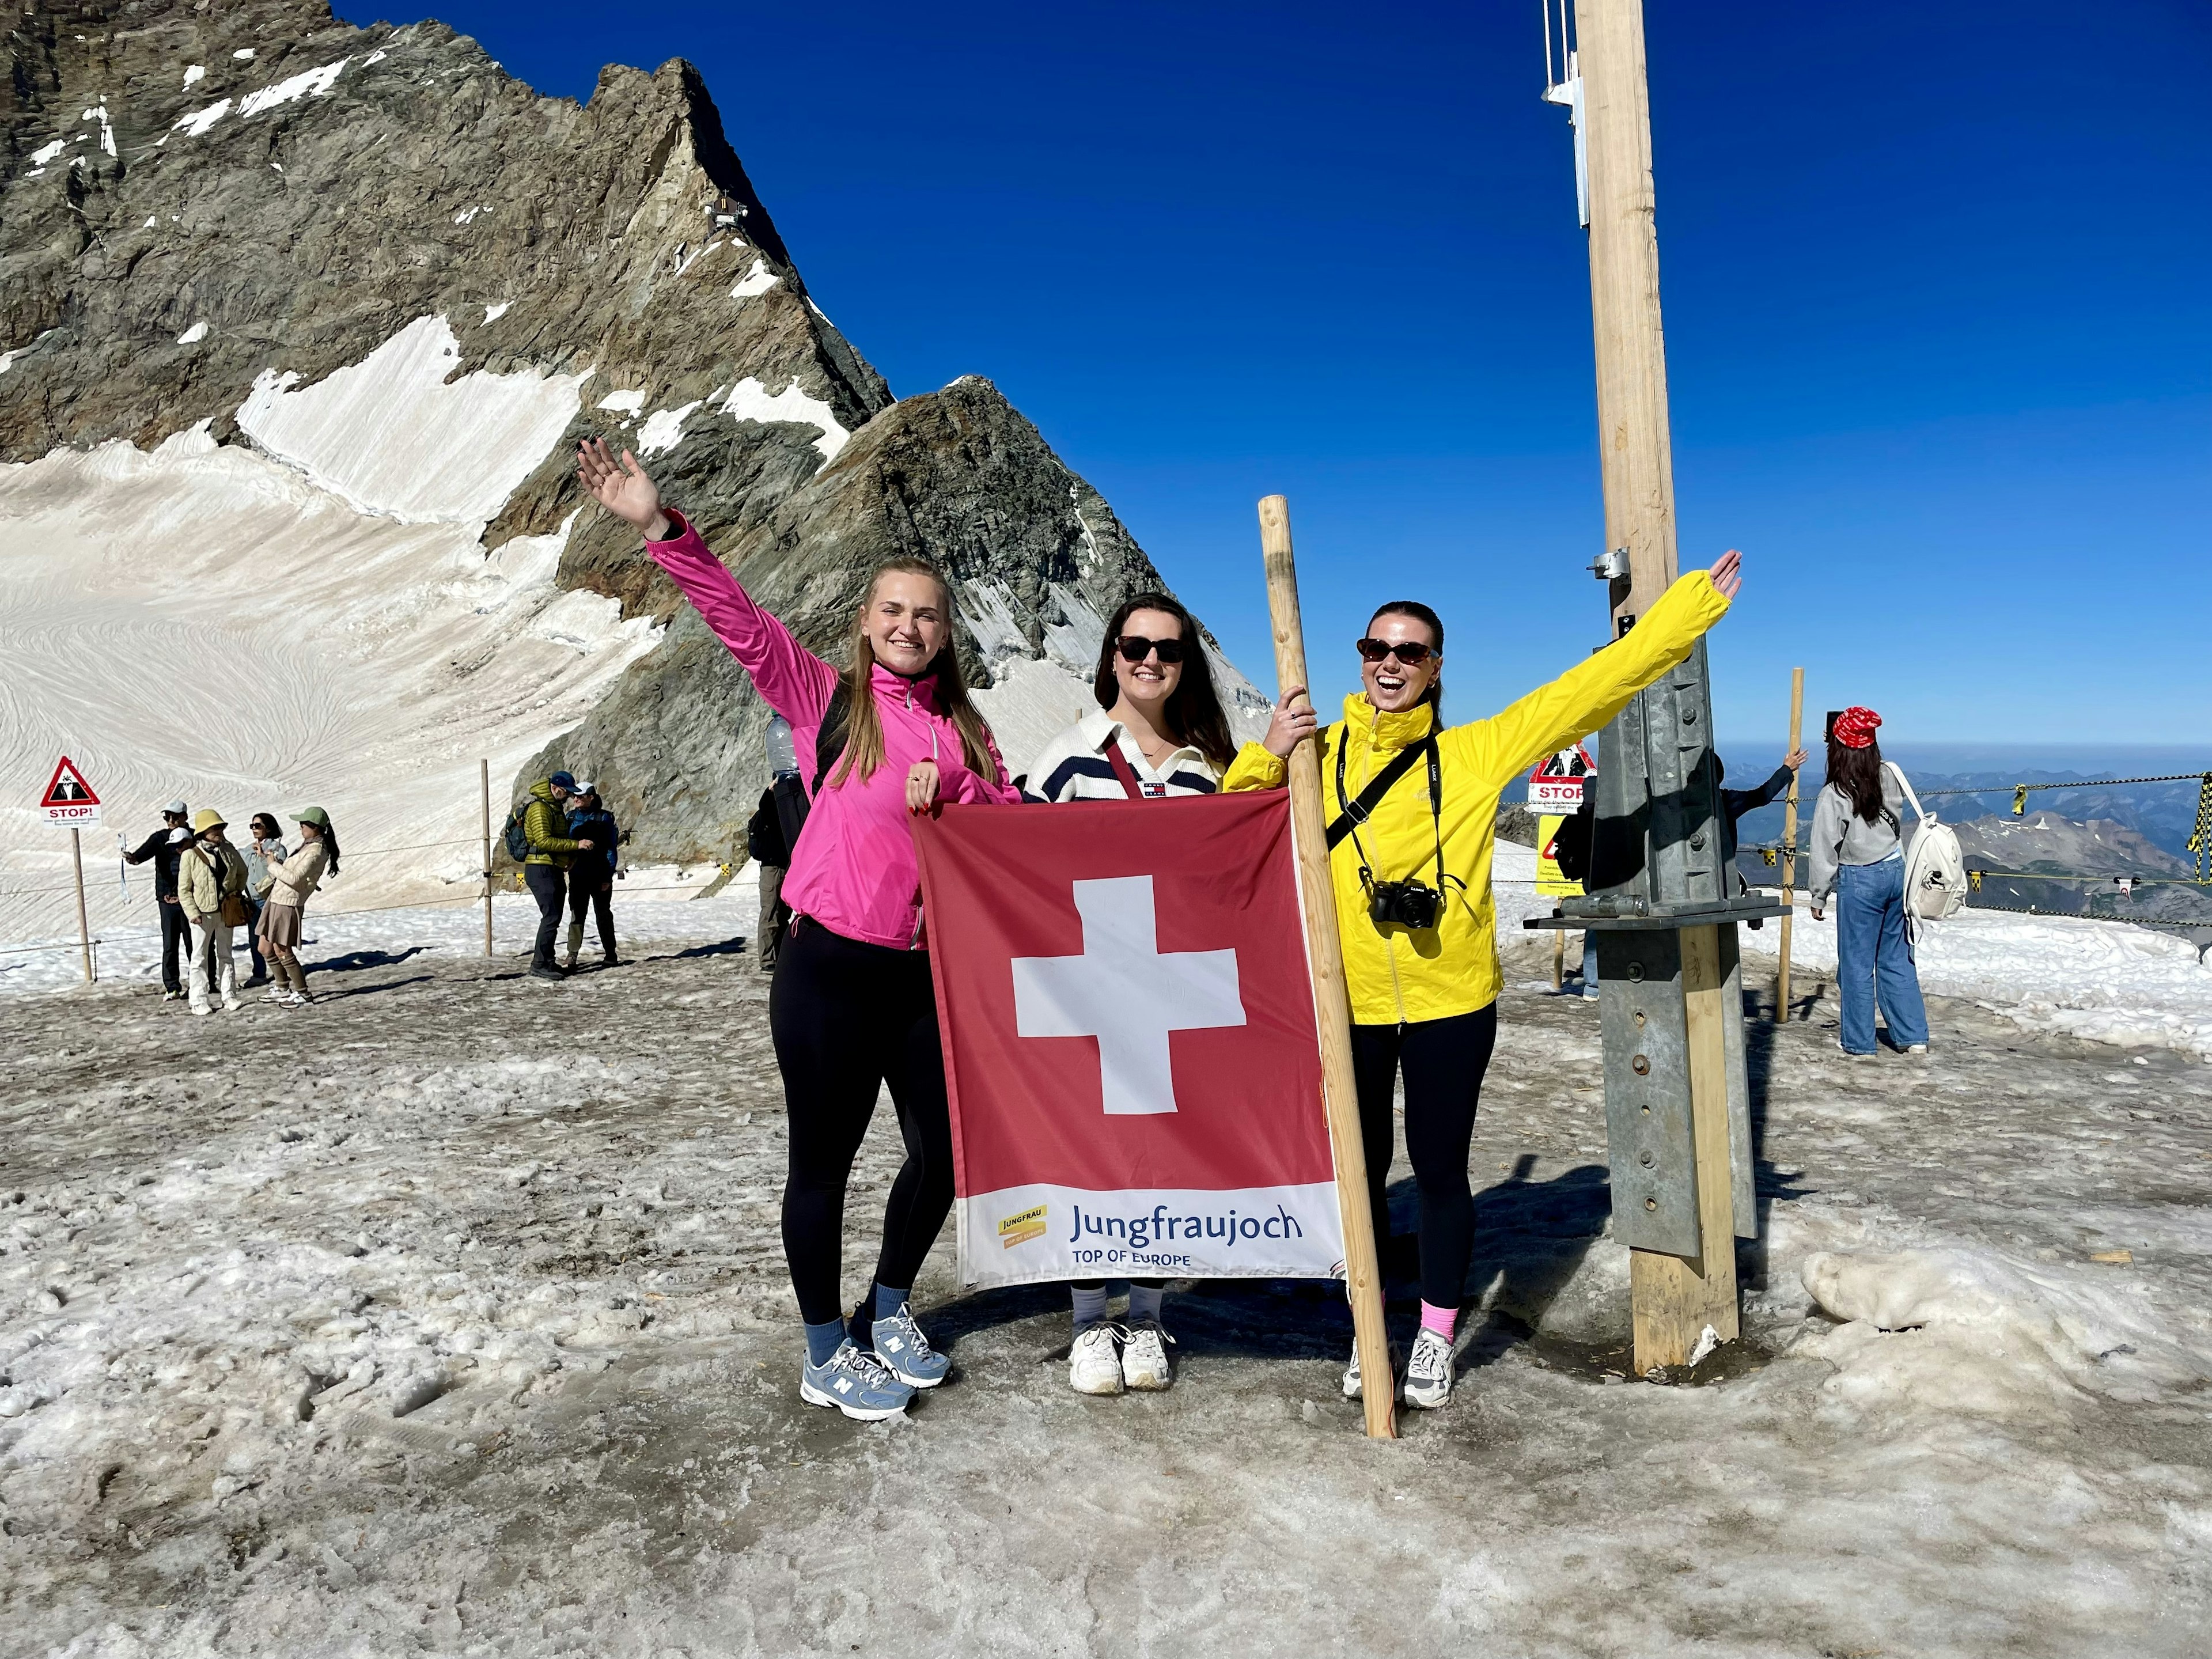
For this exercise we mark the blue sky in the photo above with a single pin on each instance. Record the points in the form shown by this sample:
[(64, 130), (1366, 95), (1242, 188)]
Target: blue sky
[(1939, 326)]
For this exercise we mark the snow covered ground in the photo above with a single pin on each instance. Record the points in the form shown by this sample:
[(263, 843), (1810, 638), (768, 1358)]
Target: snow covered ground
[(449, 1317)]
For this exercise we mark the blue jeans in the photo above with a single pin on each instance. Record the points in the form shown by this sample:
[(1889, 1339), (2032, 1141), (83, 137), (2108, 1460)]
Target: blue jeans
[(1874, 957)]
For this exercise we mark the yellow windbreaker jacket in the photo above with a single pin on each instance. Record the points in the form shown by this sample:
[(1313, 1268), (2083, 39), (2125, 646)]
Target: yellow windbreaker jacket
[(1397, 976)]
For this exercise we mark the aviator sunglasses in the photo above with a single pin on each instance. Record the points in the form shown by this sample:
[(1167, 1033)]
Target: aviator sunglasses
[(1408, 652), (1134, 648)]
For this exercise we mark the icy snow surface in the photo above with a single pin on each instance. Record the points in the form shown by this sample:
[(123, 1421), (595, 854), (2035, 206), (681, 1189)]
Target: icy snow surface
[(749, 400), (389, 435), (201, 620)]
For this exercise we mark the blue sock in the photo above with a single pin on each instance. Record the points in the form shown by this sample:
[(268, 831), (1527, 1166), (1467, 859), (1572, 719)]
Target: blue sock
[(1145, 1302), (823, 1340), (888, 1301), (1089, 1305)]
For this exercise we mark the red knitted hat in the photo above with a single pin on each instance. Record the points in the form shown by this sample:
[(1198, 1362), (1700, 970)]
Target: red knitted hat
[(1855, 726)]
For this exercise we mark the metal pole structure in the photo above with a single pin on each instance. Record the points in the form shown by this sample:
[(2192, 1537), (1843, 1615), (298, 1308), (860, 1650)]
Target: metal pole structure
[(1790, 845), (83, 926), (484, 779), (1363, 1275), (1675, 1296)]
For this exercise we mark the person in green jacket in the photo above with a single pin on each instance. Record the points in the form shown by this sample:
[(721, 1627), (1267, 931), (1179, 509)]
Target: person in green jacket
[(545, 869)]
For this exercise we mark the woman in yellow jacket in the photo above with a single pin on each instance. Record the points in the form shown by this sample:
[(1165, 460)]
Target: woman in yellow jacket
[(1421, 964)]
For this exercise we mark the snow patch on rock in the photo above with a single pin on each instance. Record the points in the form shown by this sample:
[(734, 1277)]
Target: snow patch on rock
[(663, 428), (392, 435), (193, 335), (195, 72), (749, 400), (624, 403), (758, 280)]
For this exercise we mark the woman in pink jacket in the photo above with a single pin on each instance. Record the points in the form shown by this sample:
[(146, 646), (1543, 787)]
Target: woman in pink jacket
[(852, 1008)]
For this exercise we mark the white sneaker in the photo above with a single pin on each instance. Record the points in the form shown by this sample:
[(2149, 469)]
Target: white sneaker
[(1352, 1371), (278, 992), (202, 1009), (1094, 1363), (1428, 1371), (293, 1000), (1146, 1363), (1916, 1048)]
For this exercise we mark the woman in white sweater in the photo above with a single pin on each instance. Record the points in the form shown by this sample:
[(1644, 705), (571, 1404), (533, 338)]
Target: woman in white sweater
[(1858, 859)]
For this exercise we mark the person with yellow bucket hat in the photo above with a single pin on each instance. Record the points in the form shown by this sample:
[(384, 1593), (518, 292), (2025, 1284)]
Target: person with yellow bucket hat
[(211, 892)]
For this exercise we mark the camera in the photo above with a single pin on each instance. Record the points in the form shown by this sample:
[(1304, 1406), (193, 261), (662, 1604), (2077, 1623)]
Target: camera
[(1412, 903)]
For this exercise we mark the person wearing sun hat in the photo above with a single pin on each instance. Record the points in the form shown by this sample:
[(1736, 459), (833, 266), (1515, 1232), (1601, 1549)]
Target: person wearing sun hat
[(210, 891), (1858, 859), (165, 847), (293, 881)]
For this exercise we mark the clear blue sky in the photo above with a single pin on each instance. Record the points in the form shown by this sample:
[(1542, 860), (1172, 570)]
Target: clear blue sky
[(1938, 315)]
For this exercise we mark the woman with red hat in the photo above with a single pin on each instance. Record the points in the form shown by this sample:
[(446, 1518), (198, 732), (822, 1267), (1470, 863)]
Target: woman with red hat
[(1858, 859)]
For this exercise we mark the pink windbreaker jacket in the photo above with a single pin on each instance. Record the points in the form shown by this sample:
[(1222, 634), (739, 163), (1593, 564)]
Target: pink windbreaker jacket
[(854, 870)]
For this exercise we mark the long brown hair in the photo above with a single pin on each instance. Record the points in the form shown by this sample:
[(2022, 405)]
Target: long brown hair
[(1857, 774), (864, 726), (1193, 709)]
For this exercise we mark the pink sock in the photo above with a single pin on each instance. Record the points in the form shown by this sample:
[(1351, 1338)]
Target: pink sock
[(1439, 1319)]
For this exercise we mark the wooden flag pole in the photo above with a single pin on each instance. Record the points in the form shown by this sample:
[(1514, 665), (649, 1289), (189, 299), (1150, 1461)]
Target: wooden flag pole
[(1332, 1008), (1790, 844), (483, 778), (83, 926)]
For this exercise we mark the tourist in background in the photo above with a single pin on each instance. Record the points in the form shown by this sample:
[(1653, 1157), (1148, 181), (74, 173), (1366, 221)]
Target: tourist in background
[(1858, 854), (592, 872), (1158, 732), (764, 846), (545, 865), (294, 878), (211, 894), (165, 847), (266, 838)]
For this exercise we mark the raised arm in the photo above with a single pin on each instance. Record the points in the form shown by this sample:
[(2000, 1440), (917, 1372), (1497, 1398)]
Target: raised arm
[(1596, 689), (791, 679)]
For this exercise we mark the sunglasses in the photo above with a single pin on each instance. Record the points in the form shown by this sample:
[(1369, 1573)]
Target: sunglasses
[(1134, 647), (1406, 652)]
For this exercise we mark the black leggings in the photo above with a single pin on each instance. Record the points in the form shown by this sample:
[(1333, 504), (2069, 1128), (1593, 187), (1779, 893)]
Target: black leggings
[(1444, 1060), (596, 898), (848, 1017)]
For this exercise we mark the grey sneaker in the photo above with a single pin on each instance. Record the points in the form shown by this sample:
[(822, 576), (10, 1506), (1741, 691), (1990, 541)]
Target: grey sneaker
[(1428, 1371), (905, 1352), (856, 1384), (1352, 1371), (1146, 1365)]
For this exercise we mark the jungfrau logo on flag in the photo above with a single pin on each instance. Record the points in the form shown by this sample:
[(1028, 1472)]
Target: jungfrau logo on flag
[(1130, 1047)]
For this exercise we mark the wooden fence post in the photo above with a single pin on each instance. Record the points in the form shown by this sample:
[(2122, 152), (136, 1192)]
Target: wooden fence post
[(483, 778)]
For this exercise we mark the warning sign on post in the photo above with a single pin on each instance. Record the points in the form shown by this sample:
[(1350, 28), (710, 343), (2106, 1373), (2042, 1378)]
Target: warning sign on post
[(69, 799), (1549, 881), (1556, 785)]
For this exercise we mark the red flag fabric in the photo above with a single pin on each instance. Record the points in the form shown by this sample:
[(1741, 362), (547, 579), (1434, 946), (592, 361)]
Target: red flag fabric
[(1129, 1041)]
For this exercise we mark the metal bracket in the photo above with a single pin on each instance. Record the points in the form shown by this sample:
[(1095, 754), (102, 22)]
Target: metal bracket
[(1611, 565)]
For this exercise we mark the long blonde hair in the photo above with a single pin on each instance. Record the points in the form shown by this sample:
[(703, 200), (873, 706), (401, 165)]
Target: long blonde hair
[(864, 726)]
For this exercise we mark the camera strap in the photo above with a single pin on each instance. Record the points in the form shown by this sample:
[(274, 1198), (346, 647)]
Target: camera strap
[(1354, 813)]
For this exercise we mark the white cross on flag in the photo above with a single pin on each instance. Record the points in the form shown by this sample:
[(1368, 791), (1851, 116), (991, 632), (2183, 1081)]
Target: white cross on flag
[(1129, 1041)]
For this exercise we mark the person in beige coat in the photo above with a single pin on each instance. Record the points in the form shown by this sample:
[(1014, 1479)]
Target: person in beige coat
[(210, 890), (293, 881)]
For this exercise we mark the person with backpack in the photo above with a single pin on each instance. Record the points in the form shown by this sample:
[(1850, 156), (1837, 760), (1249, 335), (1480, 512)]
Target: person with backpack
[(853, 1008), (764, 846), (165, 847), (211, 892), (1414, 808), (1858, 862), (592, 872), (536, 835), (1158, 732), (294, 878)]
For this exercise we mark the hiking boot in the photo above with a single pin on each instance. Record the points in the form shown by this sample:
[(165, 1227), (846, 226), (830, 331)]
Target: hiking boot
[(856, 1383), (547, 970), (1094, 1361), (1352, 1387), (905, 1352), (1429, 1370), (1146, 1365)]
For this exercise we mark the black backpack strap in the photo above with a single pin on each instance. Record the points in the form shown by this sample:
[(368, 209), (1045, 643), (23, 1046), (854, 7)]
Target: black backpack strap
[(1357, 812), (830, 739)]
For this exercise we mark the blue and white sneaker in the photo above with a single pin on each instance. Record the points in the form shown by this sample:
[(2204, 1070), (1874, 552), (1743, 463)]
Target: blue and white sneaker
[(856, 1382), (905, 1352)]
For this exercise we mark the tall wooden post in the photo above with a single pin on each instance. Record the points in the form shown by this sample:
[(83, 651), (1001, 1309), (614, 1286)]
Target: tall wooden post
[(83, 926), (1674, 1298), (483, 778), (1790, 845), (1363, 1275)]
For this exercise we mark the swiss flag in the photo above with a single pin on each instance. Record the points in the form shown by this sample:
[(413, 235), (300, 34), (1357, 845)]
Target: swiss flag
[(1129, 1041)]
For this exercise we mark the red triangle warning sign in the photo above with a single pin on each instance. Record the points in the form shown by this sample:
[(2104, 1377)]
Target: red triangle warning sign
[(68, 787)]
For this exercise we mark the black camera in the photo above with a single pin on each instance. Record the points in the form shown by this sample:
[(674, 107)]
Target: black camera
[(1412, 903)]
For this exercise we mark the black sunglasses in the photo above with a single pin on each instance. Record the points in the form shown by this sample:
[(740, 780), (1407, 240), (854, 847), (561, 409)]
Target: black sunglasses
[(1134, 647), (1407, 652)]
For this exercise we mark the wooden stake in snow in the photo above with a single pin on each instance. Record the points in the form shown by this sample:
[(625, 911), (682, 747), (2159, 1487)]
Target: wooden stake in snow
[(83, 926), (484, 779), (1790, 844), (1332, 1008)]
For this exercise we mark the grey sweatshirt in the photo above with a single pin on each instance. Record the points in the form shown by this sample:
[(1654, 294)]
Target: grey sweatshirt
[(1841, 836)]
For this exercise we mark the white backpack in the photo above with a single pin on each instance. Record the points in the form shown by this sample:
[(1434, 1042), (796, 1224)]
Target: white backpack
[(1935, 869)]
